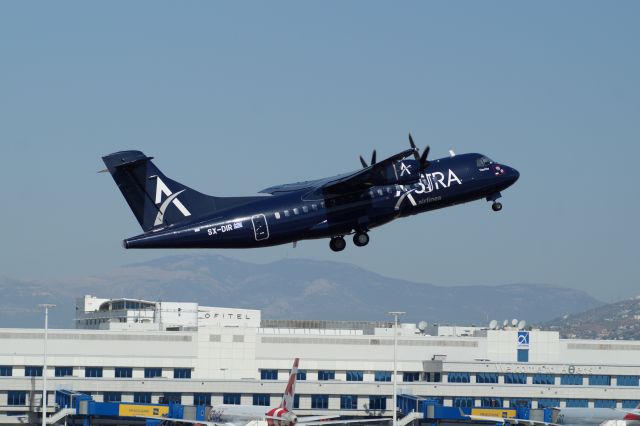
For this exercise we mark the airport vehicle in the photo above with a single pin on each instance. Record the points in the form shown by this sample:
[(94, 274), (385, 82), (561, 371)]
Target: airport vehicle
[(173, 215), (282, 415)]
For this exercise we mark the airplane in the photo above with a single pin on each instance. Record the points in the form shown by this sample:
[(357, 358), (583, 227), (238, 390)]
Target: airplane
[(572, 416), (252, 415), (173, 215)]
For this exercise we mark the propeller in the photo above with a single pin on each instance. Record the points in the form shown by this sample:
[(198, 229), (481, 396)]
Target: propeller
[(373, 160), (421, 159)]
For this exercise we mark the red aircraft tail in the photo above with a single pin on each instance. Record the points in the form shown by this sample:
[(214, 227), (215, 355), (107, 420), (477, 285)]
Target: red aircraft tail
[(289, 392)]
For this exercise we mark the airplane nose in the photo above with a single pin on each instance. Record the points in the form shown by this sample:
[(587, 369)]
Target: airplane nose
[(514, 174)]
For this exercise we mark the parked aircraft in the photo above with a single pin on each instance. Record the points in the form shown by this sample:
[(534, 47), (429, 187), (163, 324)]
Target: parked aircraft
[(572, 416), (256, 415), (173, 215)]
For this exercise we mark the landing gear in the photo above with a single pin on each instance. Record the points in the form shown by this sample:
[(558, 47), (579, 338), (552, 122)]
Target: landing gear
[(496, 206), (337, 243), (360, 239)]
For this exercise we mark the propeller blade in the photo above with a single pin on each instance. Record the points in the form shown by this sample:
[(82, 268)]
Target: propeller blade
[(373, 157), (364, 163), (416, 152), (424, 163)]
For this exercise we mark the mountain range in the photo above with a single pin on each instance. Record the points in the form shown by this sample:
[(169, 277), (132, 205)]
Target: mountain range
[(289, 288)]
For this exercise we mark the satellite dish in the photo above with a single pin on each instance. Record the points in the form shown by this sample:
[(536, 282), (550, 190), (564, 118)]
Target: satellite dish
[(422, 325), (522, 324), (505, 323), (493, 324), (514, 322)]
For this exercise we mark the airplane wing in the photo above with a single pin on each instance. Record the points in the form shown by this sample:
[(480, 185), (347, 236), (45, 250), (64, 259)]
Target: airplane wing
[(342, 422), (509, 420), (193, 422), (375, 174)]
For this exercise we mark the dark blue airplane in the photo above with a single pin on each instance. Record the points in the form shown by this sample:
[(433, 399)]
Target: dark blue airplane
[(173, 215)]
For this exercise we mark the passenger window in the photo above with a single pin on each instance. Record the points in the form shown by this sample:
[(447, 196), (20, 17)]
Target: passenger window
[(380, 192), (314, 207), (286, 213), (322, 204), (277, 215), (295, 210), (305, 209)]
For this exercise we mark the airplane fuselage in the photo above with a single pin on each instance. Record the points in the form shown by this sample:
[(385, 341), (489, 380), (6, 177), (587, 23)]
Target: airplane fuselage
[(310, 213)]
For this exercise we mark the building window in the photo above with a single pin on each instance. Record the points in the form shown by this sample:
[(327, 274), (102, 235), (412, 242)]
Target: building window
[(320, 401), (63, 371), (491, 402), (520, 403), (604, 403), (628, 381), (486, 377), (459, 377), (348, 402), (16, 398), (296, 401), (93, 372), (112, 396), (354, 376), (463, 402), (432, 377), (630, 403), (515, 379), (171, 398), (326, 375), (181, 373), (269, 374), (377, 402), (202, 399), (261, 399), (142, 397), (523, 355), (548, 403), (411, 376), (571, 379), (32, 371), (382, 376), (6, 370), (231, 398), (599, 380), (543, 379), (577, 403), (301, 375), (238, 338), (124, 372), (150, 373)]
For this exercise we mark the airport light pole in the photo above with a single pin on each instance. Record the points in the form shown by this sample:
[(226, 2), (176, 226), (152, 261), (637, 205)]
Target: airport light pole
[(46, 307), (395, 315)]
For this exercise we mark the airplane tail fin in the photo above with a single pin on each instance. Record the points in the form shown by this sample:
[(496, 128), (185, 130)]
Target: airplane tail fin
[(155, 199), (290, 391)]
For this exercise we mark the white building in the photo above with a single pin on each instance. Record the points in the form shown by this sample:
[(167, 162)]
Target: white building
[(140, 351)]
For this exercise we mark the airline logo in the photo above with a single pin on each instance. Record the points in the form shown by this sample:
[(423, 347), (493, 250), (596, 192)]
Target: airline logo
[(163, 189), (287, 398)]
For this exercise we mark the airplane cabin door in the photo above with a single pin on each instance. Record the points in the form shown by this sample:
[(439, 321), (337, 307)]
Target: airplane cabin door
[(260, 227)]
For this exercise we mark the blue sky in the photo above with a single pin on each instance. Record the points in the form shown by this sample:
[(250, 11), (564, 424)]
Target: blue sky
[(233, 97)]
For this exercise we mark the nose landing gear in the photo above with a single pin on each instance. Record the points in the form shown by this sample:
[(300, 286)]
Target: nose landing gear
[(496, 206)]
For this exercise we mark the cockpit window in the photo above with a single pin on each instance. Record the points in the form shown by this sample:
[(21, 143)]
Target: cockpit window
[(484, 162)]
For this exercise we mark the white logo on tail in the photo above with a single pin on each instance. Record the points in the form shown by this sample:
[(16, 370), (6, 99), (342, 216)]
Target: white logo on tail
[(161, 189)]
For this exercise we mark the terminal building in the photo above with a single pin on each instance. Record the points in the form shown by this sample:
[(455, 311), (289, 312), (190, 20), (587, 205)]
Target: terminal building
[(142, 351)]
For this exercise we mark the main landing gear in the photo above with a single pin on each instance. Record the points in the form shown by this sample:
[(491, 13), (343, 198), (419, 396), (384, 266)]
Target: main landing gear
[(360, 239)]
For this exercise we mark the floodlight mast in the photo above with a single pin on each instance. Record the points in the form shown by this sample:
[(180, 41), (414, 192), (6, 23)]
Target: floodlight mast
[(46, 307), (395, 315)]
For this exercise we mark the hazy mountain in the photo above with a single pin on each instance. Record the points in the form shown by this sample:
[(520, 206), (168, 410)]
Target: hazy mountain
[(291, 288), (620, 320)]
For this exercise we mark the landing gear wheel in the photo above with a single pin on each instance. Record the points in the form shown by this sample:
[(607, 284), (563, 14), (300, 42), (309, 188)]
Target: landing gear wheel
[(337, 244), (496, 206), (360, 239)]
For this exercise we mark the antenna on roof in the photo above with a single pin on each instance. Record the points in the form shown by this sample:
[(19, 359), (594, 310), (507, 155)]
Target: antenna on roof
[(514, 322), (493, 325), (522, 324)]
